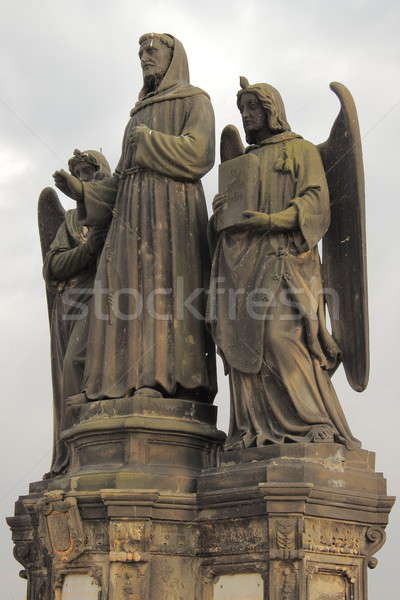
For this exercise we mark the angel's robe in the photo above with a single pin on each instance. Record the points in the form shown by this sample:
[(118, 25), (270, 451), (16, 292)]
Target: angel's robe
[(266, 308), (69, 269), (147, 326)]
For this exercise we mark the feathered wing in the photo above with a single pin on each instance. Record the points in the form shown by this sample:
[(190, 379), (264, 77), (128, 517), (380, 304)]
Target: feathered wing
[(231, 143), (344, 263), (51, 215)]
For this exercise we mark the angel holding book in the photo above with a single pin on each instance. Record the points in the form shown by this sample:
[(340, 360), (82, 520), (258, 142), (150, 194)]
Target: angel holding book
[(268, 291)]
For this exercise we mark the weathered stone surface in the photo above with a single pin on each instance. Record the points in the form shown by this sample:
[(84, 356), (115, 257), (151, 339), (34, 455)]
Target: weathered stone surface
[(81, 587), (247, 586), (137, 443)]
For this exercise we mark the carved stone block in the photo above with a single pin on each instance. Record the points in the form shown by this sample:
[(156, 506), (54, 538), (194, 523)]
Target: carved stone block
[(127, 536), (174, 538), (233, 536), (80, 586), (237, 587), (60, 526), (284, 580), (332, 536), (128, 581), (283, 535), (173, 578), (330, 582)]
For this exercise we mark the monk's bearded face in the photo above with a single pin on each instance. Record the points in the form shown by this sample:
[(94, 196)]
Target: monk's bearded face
[(155, 58), (254, 115)]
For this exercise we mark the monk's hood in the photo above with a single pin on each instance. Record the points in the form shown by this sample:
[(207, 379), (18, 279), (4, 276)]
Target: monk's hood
[(175, 83)]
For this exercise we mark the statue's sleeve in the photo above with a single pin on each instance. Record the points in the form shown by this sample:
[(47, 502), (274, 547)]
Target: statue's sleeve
[(98, 197), (312, 194), (189, 155), (64, 261), (64, 265)]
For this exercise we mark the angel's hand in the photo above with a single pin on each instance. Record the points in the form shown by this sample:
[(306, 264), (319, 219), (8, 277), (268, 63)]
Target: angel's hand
[(70, 185), (285, 220), (218, 202), (255, 220)]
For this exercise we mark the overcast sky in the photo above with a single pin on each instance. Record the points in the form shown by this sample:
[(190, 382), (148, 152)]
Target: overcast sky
[(69, 76)]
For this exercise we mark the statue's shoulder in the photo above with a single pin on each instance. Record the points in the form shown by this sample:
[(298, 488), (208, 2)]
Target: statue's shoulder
[(301, 146), (196, 95)]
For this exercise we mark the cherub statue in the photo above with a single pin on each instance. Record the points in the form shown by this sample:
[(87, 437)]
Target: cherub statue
[(278, 199), (70, 253)]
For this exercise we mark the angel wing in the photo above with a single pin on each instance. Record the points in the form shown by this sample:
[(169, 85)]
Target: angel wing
[(51, 215), (344, 263), (231, 143)]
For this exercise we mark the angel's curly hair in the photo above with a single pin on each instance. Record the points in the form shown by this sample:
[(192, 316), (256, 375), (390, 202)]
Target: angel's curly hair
[(91, 157), (271, 101)]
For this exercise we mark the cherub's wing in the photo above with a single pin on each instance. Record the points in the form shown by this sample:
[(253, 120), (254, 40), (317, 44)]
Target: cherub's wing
[(344, 245), (51, 215), (231, 143)]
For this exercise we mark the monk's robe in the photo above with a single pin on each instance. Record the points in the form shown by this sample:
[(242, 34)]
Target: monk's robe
[(147, 327)]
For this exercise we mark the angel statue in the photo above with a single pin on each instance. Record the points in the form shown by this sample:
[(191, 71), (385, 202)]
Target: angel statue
[(70, 252), (277, 199)]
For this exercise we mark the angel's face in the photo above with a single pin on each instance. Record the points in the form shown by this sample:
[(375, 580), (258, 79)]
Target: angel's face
[(254, 116), (85, 171)]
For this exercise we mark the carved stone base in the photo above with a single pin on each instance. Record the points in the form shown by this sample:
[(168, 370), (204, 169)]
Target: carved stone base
[(151, 509), (137, 443), (306, 518)]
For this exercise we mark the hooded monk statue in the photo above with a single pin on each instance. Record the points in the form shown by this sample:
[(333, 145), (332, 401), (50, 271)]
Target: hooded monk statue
[(146, 333)]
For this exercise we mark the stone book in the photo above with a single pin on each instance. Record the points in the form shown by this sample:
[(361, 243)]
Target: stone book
[(239, 179)]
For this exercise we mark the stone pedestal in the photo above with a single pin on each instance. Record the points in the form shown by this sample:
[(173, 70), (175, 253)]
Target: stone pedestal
[(152, 509), (122, 517), (306, 518)]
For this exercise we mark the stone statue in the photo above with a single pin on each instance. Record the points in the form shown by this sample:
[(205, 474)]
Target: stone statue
[(147, 503), (267, 292), (70, 252), (147, 333)]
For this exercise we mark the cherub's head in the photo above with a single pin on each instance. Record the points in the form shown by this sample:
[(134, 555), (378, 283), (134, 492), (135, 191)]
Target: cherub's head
[(262, 110), (89, 165)]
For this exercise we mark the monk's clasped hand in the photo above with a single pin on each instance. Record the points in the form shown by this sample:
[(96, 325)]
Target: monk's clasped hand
[(137, 132)]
